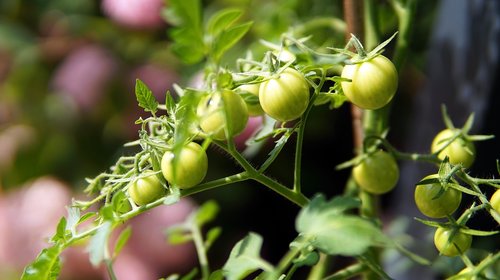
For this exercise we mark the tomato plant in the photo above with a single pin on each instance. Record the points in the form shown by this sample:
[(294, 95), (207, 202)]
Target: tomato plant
[(459, 150), (220, 108), (373, 82), (285, 96), (435, 201), (378, 173), (288, 78), (186, 168), (451, 242), (146, 188)]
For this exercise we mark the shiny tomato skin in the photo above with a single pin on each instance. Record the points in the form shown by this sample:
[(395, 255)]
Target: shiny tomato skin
[(438, 207), (190, 167), (146, 189), (212, 111), (373, 82), (286, 96), (378, 173), (459, 243), (460, 151)]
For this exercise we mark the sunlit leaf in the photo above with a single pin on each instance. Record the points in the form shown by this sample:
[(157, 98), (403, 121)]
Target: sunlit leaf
[(222, 20), (122, 240), (145, 97), (229, 38), (46, 266), (98, 244), (245, 258), (335, 233), (206, 213)]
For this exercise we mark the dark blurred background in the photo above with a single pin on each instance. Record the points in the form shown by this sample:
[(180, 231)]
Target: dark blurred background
[(67, 106)]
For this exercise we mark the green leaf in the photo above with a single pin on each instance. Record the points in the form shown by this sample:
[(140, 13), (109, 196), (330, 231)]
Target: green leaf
[(145, 97), (216, 275), (177, 234), (206, 213), (86, 216), (99, 243), (46, 266), (245, 258), (222, 20), (446, 117), (73, 219), (60, 230), (186, 119), (169, 103), (468, 124), (188, 46), (185, 12), (187, 33), (228, 38), (478, 232), (212, 235), (122, 240), (328, 229), (309, 259)]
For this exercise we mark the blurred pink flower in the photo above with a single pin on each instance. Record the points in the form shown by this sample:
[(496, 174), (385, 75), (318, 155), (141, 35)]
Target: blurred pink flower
[(32, 213), (82, 76), (140, 14), (148, 239)]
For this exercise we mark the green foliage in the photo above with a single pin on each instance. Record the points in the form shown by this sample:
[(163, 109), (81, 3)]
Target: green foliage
[(327, 227), (46, 266), (245, 258), (145, 97)]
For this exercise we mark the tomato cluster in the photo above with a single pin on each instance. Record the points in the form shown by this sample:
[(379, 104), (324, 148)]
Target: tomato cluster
[(183, 169)]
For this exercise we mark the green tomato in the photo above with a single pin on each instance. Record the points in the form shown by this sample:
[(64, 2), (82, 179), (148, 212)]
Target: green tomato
[(373, 82), (436, 207), (460, 151), (146, 189), (220, 108), (189, 167), (451, 245), (285, 97), (378, 173), (254, 108), (495, 200)]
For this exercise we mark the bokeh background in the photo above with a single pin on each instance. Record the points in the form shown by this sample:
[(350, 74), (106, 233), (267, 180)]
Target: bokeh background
[(67, 107)]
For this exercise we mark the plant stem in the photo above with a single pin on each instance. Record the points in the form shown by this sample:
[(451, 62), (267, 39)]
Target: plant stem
[(111, 272), (347, 272), (319, 269), (200, 249)]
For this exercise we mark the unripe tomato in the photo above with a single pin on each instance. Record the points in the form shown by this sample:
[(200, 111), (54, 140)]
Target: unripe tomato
[(285, 97), (254, 109), (189, 168), (373, 82), (146, 189), (460, 151), (495, 200), (449, 245), (436, 207), (378, 173), (212, 109)]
